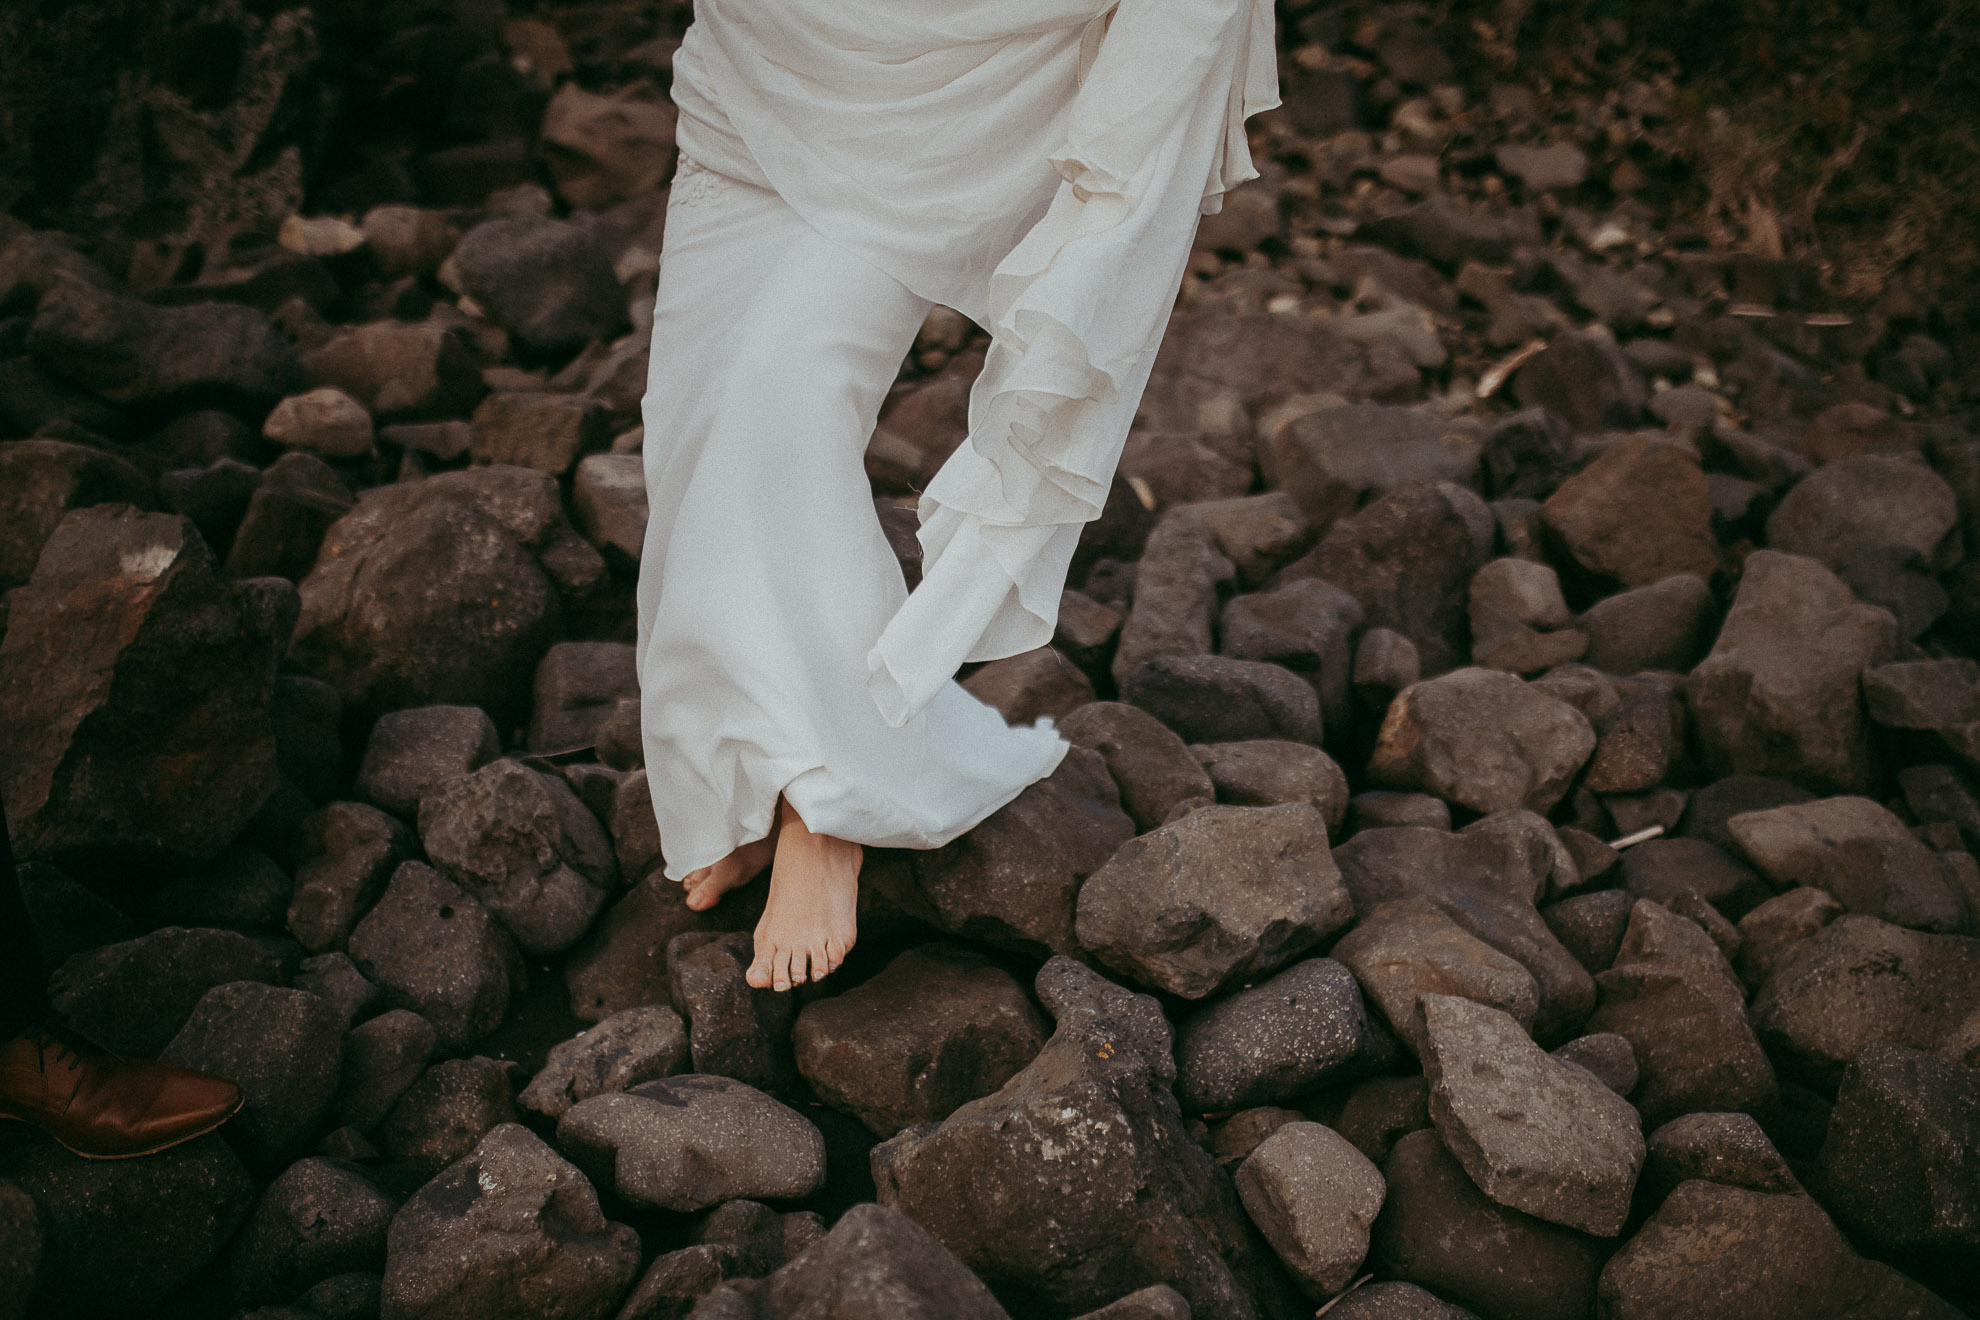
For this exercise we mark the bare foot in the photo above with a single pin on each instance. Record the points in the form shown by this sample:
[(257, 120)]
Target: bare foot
[(810, 920), (706, 886)]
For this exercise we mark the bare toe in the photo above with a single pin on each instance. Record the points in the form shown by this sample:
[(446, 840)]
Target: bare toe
[(761, 970), (780, 963)]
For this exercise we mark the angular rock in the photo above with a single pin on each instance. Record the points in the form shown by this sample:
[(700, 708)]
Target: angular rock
[(1482, 739), (1779, 693), (445, 590), (1721, 1148), (1408, 558), (1264, 772), (939, 1027), (1148, 760), (1860, 980), (433, 948), (1014, 880), (349, 852), (875, 1261), (1331, 459), (1610, 1057), (40, 481), (449, 1108), (1776, 926), (1712, 1249), (1030, 684), (521, 842), (382, 1057), (1279, 1039), (690, 1142), (1867, 501), (622, 963), (1381, 1110), (1665, 624), (117, 1235), (608, 499), (733, 1029), (1603, 514), (133, 996), (1314, 1197), (1304, 625), (1861, 853), (1589, 384), (1220, 895), (136, 687), (400, 371), (283, 1048), (412, 752), (545, 431), (1591, 925), (1901, 1164), (1083, 1184), (604, 149), (1664, 869), (547, 282), (1535, 1133), (335, 979), (1438, 1231), (1489, 891), (1406, 948), (244, 889), (293, 505), (1214, 698), (317, 1219), (326, 422), (508, 1230), (634, 1045), (1674, 997), (132, 353), (1395, 1301)]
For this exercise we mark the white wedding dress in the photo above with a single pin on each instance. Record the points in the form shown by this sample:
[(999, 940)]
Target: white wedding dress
[(1038, 165)]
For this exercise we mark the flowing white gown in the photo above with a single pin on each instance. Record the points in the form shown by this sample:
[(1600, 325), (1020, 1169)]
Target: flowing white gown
[(1038, 165)]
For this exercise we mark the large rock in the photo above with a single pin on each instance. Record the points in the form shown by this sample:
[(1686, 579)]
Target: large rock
[(1014, 880), (1674, 997), (1438, 1231), (1285, 1037), (283, 1048), (632, 1046), (134, 995), (577, 687), (1640, 512), (1534, 1132), (443, 591), (521, 842), (1407, 948), (1215, 698), (693, 1141), (132, 353), (1779, 693), (1482, 739), (1313, 1196), (1148, 760), (1901, 1164), (1075, 1182), (1722, 1148), (733, 1028), (939, 1027), (118, 1235), (1860, 852), (1487, 882), (412, 752), (1306, 625), (1865, 502), (433, 948), (136, 690), (348, 852), (1331, 459), (510, 1231), (317, 1219), (40, 480), (400, 370), (875, 1262), (547, 282), (1717, 1250), (1222, 894), (1408, 557), (1663, 625), (1264, 772), (1860, 980)]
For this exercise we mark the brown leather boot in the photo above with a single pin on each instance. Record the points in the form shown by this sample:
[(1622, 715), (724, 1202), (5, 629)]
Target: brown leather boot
[(103, 1105)]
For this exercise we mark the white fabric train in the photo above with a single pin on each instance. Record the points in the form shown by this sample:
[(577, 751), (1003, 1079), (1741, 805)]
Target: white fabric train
[(1038, 165)]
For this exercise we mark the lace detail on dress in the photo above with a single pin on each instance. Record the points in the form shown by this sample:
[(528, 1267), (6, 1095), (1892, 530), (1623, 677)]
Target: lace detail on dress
[(695, 184)]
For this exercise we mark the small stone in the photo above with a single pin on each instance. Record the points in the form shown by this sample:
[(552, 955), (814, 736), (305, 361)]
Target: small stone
[(1152, 765), (1264, 772), (412, 752), (316, 1220), (382, 1057), (349, 851), (326, 422), (1602, 513), (1555, 167), (632, 1046), (1482, 739), (1314, 1197), (1279, 1039), (608, 497), (1406, 948), (547, 432), (1776, 926), (1214, 698)]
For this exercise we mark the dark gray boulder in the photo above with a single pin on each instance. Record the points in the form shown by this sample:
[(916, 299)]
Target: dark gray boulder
[(133, 996), (446, 1110), (733, 1028), (283, 1048), (1148, 760), (1082, 1184), (632, 1046), (412, 752), (1282, 1038), (1901, 1165), (319, 1218), (433, 948), (508, 1232), (547, 282), (348, 853)]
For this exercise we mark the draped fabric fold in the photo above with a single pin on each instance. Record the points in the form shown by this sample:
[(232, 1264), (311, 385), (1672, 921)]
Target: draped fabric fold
[(1059, 154)]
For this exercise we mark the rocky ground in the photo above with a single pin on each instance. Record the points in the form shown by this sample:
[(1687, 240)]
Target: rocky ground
[(1517, 860)]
